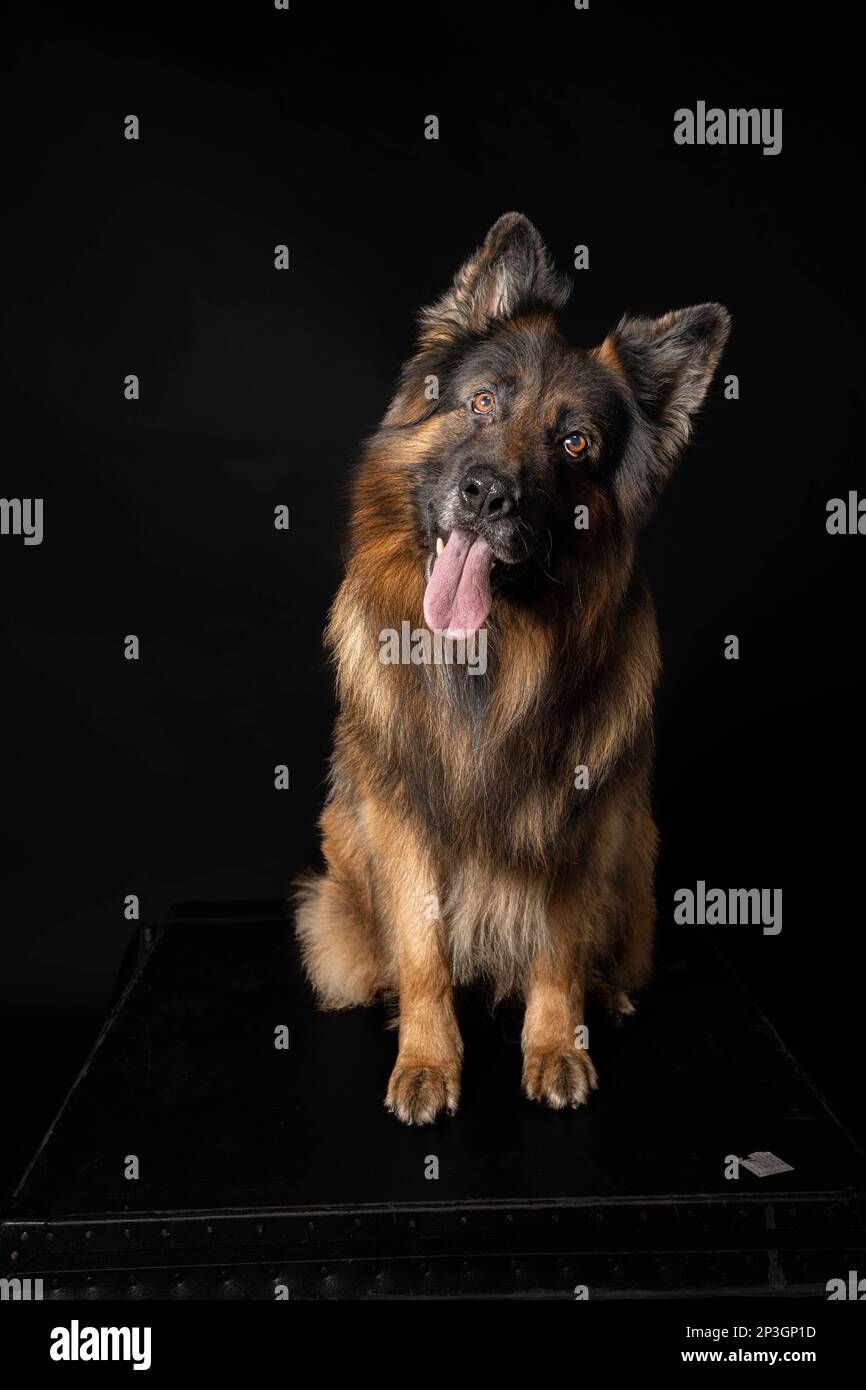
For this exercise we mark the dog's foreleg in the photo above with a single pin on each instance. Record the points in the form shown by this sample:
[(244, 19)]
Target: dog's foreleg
[(557, 1068), (426, 1077)]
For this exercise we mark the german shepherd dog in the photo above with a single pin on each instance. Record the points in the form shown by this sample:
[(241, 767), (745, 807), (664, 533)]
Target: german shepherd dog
[(496, 825)]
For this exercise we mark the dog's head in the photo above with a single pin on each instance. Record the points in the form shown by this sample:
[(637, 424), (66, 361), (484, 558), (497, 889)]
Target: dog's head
[(528, 453)]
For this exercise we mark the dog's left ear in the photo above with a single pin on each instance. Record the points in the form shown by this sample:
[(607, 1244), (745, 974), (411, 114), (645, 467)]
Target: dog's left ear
[(511, 272), (669, 363)]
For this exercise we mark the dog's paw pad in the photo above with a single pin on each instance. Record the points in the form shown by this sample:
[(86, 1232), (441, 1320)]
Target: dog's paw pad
[(558, 1078), (418, 1092)]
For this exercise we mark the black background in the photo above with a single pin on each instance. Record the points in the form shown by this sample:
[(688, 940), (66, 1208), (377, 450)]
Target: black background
[(259, 127)]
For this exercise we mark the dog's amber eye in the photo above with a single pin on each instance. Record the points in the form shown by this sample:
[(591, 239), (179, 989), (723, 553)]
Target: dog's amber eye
[(576, 444), (483, 402)]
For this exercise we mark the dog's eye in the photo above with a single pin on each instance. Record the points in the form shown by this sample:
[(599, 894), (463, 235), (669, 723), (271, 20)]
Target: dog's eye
[(483, 402), (576, 444)]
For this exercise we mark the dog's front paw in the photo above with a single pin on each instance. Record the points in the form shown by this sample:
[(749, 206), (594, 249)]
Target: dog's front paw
[(418, 1091), (559, 1077)]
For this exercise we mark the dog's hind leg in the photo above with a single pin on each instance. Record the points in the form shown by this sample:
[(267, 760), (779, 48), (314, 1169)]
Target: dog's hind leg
[(632, 955), (616, 1003), (341, 946), (625, 961)]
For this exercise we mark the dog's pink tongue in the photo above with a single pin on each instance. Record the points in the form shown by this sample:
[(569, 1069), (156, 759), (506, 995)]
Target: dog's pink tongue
[(457, 598)]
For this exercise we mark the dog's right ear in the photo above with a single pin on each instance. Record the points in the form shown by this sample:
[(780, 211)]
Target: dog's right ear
[(512, 272)]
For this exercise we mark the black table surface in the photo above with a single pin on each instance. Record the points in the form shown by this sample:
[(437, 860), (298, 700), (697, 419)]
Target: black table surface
[(186, 1077)]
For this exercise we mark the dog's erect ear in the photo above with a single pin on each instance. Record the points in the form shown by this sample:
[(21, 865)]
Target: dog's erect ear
[(669, 363), (512, 272)]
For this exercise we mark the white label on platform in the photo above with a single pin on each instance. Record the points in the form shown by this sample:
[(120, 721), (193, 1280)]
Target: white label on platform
[(763, 1164)]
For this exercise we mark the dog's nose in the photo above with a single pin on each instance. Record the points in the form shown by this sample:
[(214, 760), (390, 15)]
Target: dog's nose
[(487, 494)]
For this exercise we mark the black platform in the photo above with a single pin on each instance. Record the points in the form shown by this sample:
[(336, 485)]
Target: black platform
[(262, 1167)]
